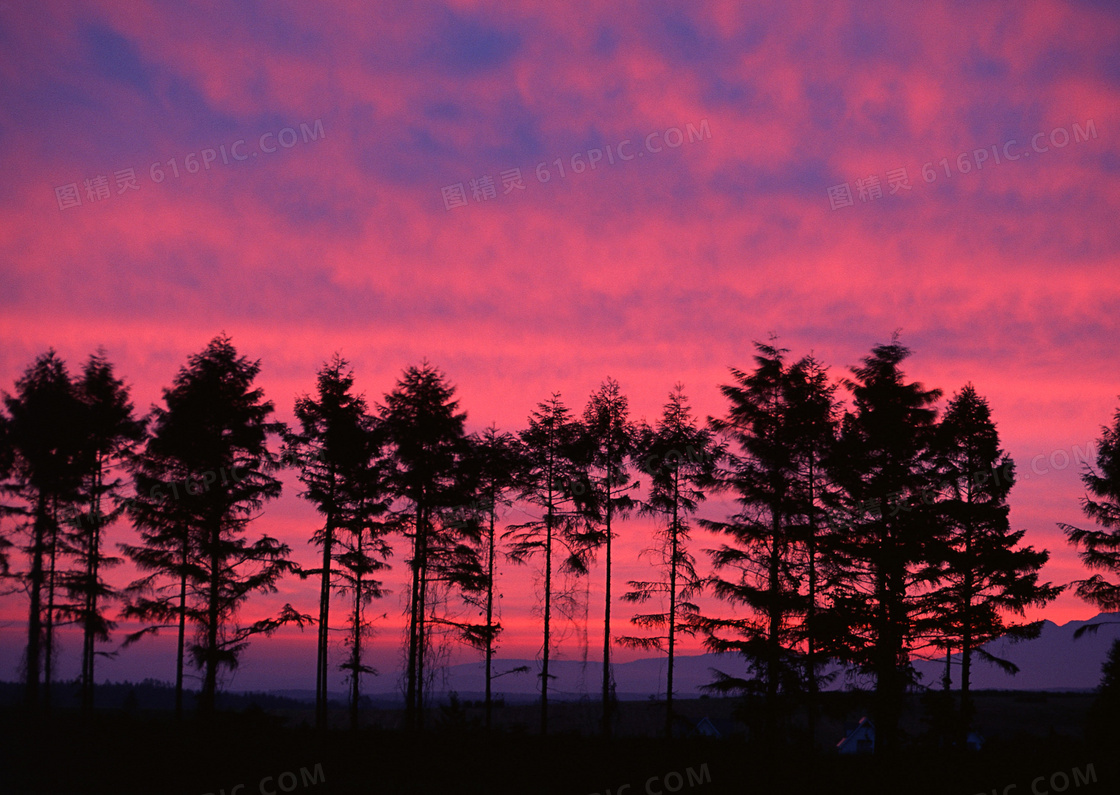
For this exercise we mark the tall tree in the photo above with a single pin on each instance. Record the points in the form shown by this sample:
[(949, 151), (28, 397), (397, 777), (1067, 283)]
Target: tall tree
[(685, 456), (425, 466), (610, 437), (885, 464), (553, 452), (209, 457), (363, 550), (44, 438), (1101, 721), (109, 433), (335, 451), (167, 551), (496, 462), (983, 571), (813, 418), (7, 457), (781, 419), (1099, 547)]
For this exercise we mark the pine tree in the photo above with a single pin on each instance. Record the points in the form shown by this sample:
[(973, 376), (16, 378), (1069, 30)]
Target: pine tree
[(7, 457), (781, 417), (884, 469), (812, 416), (610, 442), (363, 550), (496, 462), (45, 441), (983, 571), (336, 451), (109, 432), (1102, 726), (425, 467), (553, 452), (1099, 549), (681, 457), (167, 550), (205, 473)]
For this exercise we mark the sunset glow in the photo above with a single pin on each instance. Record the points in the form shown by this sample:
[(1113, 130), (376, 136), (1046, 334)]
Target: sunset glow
[(533, 197)]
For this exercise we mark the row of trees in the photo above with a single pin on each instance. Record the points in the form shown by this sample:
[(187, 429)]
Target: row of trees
[(868, 534)]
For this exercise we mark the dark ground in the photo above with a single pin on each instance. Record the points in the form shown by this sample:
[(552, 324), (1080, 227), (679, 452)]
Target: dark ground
[(256, 751)]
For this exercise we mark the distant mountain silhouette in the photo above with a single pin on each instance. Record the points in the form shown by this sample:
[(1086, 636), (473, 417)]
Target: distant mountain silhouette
[(1052, 661)]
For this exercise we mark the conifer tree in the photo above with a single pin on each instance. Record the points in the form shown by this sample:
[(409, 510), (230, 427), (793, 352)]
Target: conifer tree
[(205, 473), (781, 418), (610, 442), (884, 468), (426, 451), (1099, 547), (336, 450), (682, 457), (983, 571), (553, 473), (496, 462), (45, 443), (109, 432)]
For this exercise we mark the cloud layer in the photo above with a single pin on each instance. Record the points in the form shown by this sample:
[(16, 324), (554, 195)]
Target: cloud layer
[(726, 223)]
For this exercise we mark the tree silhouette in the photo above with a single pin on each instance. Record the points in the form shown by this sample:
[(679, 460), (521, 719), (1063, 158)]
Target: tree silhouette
[(1099, 549), (1102, 714), (983, 572), (812, 417), (109, 432), (781, 417), (204, 474), (425, 475), (335, 451), (553, 452), (496, 462), (884, 469), (363, 549), (610, 442), (686, 456), (45, 441), (7, 456)]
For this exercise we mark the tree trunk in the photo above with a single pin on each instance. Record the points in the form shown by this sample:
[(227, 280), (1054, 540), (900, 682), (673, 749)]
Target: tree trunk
[(413, 627), (607, 603), (89, 606), (886, 652), (547, 610), (811, 616), (490, 614), (210, 678), (181, 647), (322, 656), (672, 607), (48, 624), (773, 630), (966, 641), (35, 616), (355, 683), (422, 628)]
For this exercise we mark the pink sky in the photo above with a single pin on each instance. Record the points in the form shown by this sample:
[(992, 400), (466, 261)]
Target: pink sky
[(656, 269)]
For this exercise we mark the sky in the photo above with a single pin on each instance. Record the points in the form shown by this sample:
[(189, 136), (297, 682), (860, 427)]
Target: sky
[(534, 197)]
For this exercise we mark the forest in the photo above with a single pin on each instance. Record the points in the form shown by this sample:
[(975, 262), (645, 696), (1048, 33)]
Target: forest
[(871, 528)]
